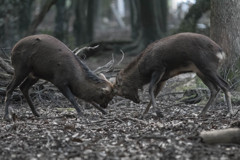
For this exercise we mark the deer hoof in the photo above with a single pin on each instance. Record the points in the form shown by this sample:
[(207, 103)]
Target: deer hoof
[(80, 114), (142, 116), (7, 118), (229, 115), (159, 114), (36, 114), (104, 112)]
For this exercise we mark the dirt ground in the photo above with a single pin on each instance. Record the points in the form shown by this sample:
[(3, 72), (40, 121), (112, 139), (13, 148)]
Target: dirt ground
[(121, 134)]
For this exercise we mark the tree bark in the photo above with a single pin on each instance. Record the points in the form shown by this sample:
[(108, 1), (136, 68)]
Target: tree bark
[(85, 12), (59, 30), (24, 17), (148, 23), (230, 135), (225, 22), (38, 19)]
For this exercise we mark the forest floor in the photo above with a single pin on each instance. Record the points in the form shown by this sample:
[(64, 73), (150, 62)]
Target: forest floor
[(121, 134)]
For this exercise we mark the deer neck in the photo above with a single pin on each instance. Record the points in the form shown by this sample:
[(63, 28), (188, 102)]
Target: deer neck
[(133, 77)]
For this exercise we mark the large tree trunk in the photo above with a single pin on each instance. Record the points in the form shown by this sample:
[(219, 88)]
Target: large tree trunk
[(60, 27), (135, 21), (39, 18), (225, 22), (24, 17), (148, 23), (84, 20)]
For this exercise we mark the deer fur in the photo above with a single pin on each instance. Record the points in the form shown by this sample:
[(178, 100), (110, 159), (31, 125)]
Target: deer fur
[(45, 57), (171, 56)]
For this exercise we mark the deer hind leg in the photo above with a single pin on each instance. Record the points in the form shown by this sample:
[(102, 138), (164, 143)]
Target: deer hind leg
[(225, 87), (156, 77), (24, 87), (18, 78), (214, 89), (69, 95), (218, 82), (158, 88)]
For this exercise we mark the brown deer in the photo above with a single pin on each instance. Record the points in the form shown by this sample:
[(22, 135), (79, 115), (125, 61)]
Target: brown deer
[(45, 57), (171, 56)]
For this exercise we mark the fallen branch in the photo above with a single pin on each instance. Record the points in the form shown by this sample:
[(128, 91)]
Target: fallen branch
[(6, 67), (230, 135)]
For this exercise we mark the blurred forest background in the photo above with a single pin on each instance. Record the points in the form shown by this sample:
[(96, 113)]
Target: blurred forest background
[(83, 22), (129, 25)]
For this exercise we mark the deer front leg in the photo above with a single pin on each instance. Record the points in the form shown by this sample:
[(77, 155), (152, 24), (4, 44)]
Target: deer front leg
[(68, 94), (156, 91), (156, 77)]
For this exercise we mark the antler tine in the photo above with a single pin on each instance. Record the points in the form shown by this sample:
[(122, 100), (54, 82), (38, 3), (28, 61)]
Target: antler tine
[(81, 50), (110, 65), (121, 58), (105, 68), (75, 50)]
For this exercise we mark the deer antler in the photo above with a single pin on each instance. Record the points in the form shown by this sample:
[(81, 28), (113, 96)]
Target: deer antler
[(105, 68), (109, 66), (77, 51)]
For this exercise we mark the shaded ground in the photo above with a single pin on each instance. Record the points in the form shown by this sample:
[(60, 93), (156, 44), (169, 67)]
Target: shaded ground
[(121, 134)]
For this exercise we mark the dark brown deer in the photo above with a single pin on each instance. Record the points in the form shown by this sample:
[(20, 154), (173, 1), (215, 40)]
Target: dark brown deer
[(171, 56), (45, 57)]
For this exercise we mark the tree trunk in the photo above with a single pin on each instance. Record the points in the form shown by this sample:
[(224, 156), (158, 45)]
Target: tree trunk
[(189, 22), (91, 14), (84, 20), (24, 17), (148, 23), (38, 19), (135, 21), (225, 22), (59, 31)]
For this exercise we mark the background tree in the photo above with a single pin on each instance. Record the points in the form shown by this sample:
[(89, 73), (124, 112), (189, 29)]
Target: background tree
[(24, 20), (189, 22), (60, 19), (84, 20), (148, 23), (39, 18), (225, 22)]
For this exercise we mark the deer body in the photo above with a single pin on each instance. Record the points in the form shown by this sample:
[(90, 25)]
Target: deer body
[(171, 56), (45, 57)]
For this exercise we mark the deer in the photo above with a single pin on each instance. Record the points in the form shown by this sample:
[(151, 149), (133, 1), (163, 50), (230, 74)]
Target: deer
[(45, 57), (169, 57)]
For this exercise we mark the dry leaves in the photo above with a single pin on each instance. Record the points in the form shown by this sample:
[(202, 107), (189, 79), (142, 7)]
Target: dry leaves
[(60, 134)]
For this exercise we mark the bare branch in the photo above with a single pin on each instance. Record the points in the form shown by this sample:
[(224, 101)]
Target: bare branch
[(4, 53), (37, 20), (6, 67)]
